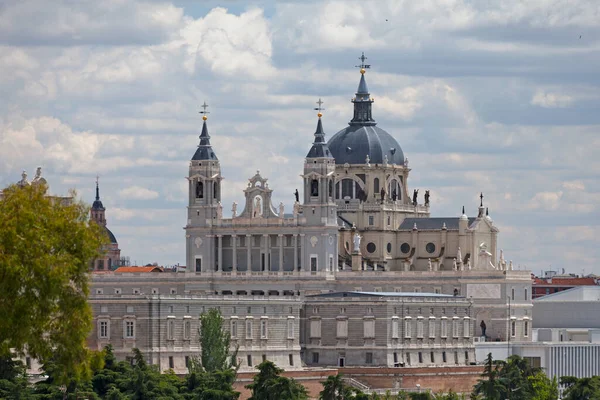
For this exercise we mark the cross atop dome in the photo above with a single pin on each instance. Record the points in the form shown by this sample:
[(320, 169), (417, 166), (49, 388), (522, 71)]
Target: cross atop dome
[(204, 112), (205, 151), (363, 67)]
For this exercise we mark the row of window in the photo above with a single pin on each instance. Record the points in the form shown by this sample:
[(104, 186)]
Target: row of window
[(409, 330), (525, 294), (420, 358), (135, 291), (129, 328), (369, 310)]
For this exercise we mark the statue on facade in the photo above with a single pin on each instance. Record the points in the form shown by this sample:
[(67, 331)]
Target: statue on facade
[(356, 240), (385, 159), (429, 264), (257, 208), (406, 162), (394, 195), (219, 211), (483, 328), (427, 198), (459, 256), (297, 196), (469, 264), (382, 193), (199, 190), (23, 181), (368, 160), (234, 209), (455, 265), (296, 209), (314, 187), (415, 194), (281, 207)]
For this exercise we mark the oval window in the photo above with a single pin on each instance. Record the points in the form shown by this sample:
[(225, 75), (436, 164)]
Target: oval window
[(371, 247), (389, 247), (430, 247), (405, 248)]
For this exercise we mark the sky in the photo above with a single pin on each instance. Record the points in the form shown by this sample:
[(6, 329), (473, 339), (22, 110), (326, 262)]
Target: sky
[(499, 97)]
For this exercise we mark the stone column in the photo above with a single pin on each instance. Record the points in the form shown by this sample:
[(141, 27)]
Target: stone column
[(234, 266), (220, 260), (280, 252), (302, 254), (295, 236), (249, 255)]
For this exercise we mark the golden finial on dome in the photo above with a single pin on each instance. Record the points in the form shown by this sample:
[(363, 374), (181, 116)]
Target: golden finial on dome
[(319, 108), (362, 71), (204, 117)]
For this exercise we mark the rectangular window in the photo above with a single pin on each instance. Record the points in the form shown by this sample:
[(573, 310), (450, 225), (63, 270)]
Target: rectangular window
[(432, 328), (389, 220), (315, 328), (369, 328), (444, 357), (342, 328), (313, 264), (264, 328), (291, 360), (371, 220), (248, 329), (187, 329), (455, 328), (420, 358), (171, 362), (264, 357), (466, 357), (129, 330), (198, 265), (315, 358), (526, 328), (512, 294), (249, 360), (420, 329), (407, 358), (526, 295), (395, 328), (466, 328), (444, 328), (28, 362), (432, 358), (187, 361), (395, 358), (170, 329), (513, 328), (368, 358), (104, 329), (456, 357), (290, 328), (330, 263), (407, 328), (233, 328)]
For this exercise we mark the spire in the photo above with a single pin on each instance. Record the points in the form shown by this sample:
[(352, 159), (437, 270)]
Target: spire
[(205, 151), (319, 148), (362, 101), (97, 205)]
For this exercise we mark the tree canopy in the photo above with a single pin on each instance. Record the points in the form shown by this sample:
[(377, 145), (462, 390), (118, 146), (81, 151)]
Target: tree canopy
[(270, 385), (215, 342), (46, 245)]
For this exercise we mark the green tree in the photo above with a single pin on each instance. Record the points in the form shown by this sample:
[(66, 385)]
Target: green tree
[(489, 386), (543, 388), (334, 388), (46, 247), (13, 380), (215, 343), (270, 385), (581, 388)]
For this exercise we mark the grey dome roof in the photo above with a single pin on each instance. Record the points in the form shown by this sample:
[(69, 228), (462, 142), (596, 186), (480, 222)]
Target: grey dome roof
[(204, 151), (362, 137), (111, 236), (352, 145)]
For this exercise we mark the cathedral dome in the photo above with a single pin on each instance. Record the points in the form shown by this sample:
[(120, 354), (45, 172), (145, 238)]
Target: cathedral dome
[(111, 236), (352, 145), (362, 137)]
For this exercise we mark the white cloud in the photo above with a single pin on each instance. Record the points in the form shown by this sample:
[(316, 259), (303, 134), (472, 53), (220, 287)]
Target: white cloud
[(551, 100), (138, 193)]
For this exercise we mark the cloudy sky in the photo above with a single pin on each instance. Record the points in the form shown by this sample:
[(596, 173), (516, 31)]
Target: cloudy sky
[(494, 96)]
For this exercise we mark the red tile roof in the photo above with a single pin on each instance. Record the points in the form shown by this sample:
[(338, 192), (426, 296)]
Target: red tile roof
[(139, 269), (565, 281)]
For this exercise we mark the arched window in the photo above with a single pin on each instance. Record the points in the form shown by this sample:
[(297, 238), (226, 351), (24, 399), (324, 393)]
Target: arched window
[(331, 188), (376, 185), (314, 187), (216, 191), (347, 188), (199, 190)]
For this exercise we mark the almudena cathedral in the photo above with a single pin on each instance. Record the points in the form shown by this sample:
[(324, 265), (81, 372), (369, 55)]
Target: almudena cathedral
[(356, 273)]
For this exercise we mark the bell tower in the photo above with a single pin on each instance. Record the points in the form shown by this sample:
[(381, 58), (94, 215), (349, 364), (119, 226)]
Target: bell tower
[(204, 181), (319, 180)]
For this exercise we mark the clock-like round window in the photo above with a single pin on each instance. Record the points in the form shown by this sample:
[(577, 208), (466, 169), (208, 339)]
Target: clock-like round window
[(389, 247), (405, 248), (430, 247), (371, 247)]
